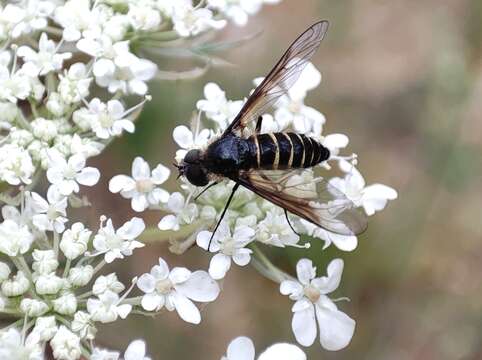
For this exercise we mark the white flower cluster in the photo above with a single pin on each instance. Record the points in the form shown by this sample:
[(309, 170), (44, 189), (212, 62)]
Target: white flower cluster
[(66, 68), (250, 219)]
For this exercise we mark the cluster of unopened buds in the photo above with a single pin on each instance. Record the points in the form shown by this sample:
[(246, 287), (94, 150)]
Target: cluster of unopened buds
[(54, 56)]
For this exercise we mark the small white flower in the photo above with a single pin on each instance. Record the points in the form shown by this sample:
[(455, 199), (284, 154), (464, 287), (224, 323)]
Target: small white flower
[(77, 17), (33, 307), (65, 304), (312, 306), (68, 174), (184, 213), (103, 354), (107, 307), (275, 230), (13, 346), (45, 60), (65, 344), (14, 85), (342, 242), (143, 17), (84, 326), (16, 165), (74, 84), (107, 283), (106, 120), (242, 348), (190, 21), (80, 275), (372, 198), (187, 140), (116, 244), (45, 130), (142, 186), (75, 241), (45, 261), (45, 327), (217, 107), (48, 284), (15, 239), (16, 286), (49, 215), (177, 289), (229, 247)]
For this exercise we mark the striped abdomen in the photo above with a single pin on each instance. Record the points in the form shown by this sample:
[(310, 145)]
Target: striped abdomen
[(285, 150)]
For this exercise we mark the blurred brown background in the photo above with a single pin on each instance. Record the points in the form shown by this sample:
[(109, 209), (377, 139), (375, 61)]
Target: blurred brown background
[(403, 79)]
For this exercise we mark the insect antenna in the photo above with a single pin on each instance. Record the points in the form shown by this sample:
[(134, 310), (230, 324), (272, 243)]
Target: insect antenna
[(289, 223), (205, 189), (236, 186)]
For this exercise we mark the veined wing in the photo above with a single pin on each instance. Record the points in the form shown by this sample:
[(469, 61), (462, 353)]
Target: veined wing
[(281, 77), (312, 199)]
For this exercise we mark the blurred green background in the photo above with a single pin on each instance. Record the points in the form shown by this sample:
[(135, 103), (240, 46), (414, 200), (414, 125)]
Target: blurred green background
[(403, 79)]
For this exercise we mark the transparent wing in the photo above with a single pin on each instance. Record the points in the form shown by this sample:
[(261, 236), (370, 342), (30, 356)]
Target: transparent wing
[(281, 77), (313, 199)]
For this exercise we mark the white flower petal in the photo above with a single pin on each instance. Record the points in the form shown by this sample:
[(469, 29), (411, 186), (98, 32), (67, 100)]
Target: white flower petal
[(160, 174), (219, 266), (241, 348), (283, 351), (139, 202), (327, 284), (89, 176), (152, 301), (140, 169), (168, 222), (183, 136), (147, 283), (305, 271), (336, 328), (179, 275), (121, 183), (199, 287), (186, 309), (304, 326)]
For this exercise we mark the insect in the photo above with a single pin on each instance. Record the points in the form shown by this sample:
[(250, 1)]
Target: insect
[(266, 163)]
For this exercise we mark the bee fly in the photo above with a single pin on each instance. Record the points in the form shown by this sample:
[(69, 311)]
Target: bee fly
[(265, 163)]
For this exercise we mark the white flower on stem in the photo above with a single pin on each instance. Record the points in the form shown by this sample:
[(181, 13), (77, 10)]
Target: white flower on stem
[(75, 241), (35, 16), (115, 244), (44, 261), (117, 68), (84, 326), (14, 84), (68, 174), (14, 346), (48, 284), (107, 307), (242, 348), (142, 186), (187, 140), (143, 17), (184, 213), (15, 239), (45, 327), (33, 307), (136, 351), (16, 165), (177, 289), (229, 247), (74, 83), (66, 304), (190, 21), (45, 60), (16, 286), (372, 198), (65, 344), (312, 306), (50, 214), (342, 242), (217, 107), (76, 17), (275, 230), (106, 120), (80, 275), (107, 283)]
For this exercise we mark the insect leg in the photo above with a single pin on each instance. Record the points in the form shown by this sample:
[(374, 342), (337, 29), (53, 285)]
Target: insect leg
[(289, 223), (258, 124), (205, 189), (223, 213)]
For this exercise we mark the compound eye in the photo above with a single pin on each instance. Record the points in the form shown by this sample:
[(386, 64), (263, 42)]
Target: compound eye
[(192, 156), (196, 175)]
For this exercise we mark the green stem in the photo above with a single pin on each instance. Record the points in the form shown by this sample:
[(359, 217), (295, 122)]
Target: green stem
[(265, 266)]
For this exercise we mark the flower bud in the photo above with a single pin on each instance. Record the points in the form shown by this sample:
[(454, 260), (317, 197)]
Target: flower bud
[(83, 325), (74, 241), (48, 284), (81, 275), (66, 304), (45, 327), (56, 105), (16, 286), (45, 261), (44, 129), (33, 307)]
